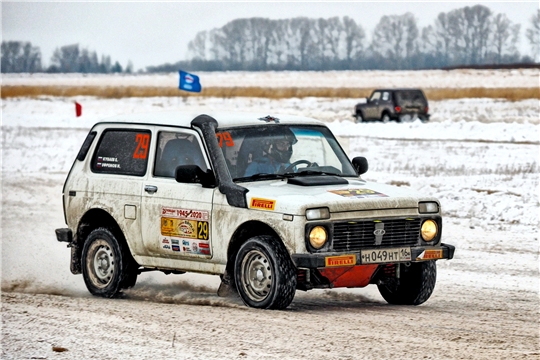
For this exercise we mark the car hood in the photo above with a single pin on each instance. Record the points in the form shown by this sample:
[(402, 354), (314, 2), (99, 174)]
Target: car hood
[(357, 195)]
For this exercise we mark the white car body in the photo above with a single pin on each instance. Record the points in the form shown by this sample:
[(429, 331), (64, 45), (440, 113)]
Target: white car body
[(188, 227)]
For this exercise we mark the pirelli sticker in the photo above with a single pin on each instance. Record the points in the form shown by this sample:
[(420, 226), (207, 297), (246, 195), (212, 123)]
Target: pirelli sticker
[(262, 204), (342, 260), (430, 254)]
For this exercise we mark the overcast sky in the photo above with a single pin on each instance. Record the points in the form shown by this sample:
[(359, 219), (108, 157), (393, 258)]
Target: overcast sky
[(154, 33)]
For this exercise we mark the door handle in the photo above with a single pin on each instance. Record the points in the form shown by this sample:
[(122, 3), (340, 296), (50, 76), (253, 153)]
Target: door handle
[(150, 189)]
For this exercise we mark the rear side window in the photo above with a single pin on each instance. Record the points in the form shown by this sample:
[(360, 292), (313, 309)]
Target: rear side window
[(86, 146), (411, 96), (123, 152)]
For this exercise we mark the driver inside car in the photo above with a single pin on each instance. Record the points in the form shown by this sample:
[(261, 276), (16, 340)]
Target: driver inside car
[(277, 152)]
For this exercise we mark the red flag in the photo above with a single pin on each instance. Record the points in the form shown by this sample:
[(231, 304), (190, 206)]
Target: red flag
[(78, 109)]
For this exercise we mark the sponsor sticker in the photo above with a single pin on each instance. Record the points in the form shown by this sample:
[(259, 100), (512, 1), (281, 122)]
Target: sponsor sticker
[(263, 204), (184, 228), (358, 193), (188, 214), (430, 255), (342, 260)]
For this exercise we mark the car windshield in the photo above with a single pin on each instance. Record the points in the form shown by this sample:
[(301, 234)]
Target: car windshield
[(277, 151)]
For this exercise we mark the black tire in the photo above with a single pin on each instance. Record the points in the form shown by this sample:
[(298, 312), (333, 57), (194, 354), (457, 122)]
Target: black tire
[(359, 118), (264, 273), (415, 286), (107, 265)]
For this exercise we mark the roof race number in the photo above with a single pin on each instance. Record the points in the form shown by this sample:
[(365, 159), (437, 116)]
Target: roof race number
[(225, 137)]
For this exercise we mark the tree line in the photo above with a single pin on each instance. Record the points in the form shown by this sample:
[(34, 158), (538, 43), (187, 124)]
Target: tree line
[(468, 36), (22, 57), (472, 35)]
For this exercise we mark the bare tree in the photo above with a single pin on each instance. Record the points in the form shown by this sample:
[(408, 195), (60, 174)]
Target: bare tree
[(437, 41), (334, 38), (301, 41), (66, 59), (18, 57), (197, 46), (478, 31), (354, 37), (395, 37), (533, 35), (504, 36)]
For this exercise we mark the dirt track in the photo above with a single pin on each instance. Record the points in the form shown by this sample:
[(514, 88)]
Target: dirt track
[(485, 304), (155, 321)]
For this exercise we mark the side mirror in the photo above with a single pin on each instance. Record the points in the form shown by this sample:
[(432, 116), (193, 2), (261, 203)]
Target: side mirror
[(367, 100), (360, 164), (193, 174)]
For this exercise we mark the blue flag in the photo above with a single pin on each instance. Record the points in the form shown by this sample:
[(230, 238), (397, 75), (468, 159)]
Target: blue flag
[(189, 82)]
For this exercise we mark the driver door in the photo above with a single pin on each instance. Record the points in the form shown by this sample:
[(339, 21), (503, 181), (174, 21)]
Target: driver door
[(372, 106), (176, 217)]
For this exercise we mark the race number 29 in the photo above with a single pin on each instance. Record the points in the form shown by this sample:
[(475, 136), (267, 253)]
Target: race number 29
[(142, 141), (202, 230)]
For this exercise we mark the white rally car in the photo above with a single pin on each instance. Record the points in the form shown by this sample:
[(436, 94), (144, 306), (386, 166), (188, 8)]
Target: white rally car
[(271, 204)]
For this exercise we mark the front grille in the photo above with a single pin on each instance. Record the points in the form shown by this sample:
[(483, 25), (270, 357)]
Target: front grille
[(357, 235)]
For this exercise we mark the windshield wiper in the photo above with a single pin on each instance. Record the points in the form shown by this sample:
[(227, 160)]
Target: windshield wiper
[(263, 176)]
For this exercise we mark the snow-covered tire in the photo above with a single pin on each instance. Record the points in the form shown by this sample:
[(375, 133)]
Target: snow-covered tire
[(359, 118), (385, 118), (264, 273), (416, 284), (107, 266)]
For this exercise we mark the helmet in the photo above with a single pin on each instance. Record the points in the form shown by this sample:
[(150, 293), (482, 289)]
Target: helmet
[(280, 146)]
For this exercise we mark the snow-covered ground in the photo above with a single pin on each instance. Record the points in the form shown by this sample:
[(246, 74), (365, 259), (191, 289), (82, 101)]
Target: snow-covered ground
[(465, 78), (478, 156)]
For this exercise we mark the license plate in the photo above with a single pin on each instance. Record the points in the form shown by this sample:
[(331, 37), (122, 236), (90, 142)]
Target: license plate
[(385, 255)]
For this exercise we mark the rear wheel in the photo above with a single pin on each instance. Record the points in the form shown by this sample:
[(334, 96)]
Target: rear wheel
[(264, 273), (415, 285), (385, 118), (107, 266)]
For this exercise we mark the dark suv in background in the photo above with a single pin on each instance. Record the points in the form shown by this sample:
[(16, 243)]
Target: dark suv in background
[(393, 104)]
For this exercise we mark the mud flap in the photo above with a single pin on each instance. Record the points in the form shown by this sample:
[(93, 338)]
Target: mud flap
[(227, 288)]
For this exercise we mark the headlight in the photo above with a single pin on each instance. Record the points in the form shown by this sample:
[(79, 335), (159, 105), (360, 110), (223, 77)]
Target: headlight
[(430, 207), (317, 214), (429, 230), (317, 237)]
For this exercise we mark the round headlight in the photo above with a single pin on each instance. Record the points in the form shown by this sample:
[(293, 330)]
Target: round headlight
[(317, 237), (429, 230)]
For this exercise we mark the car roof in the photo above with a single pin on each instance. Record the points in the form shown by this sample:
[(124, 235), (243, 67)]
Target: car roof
[(224, 119), (399, 89)]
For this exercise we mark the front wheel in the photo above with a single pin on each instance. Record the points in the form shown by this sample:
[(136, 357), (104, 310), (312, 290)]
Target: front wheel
[(359, 118), (385, 118), (264, 273), (107, 266), (415, 285)]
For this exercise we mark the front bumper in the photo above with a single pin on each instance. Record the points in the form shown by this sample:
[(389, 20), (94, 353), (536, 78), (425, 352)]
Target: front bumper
[(317, 261)]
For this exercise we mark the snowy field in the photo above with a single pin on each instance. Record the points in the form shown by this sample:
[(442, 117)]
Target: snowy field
[(465, 78), (478, 156)]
